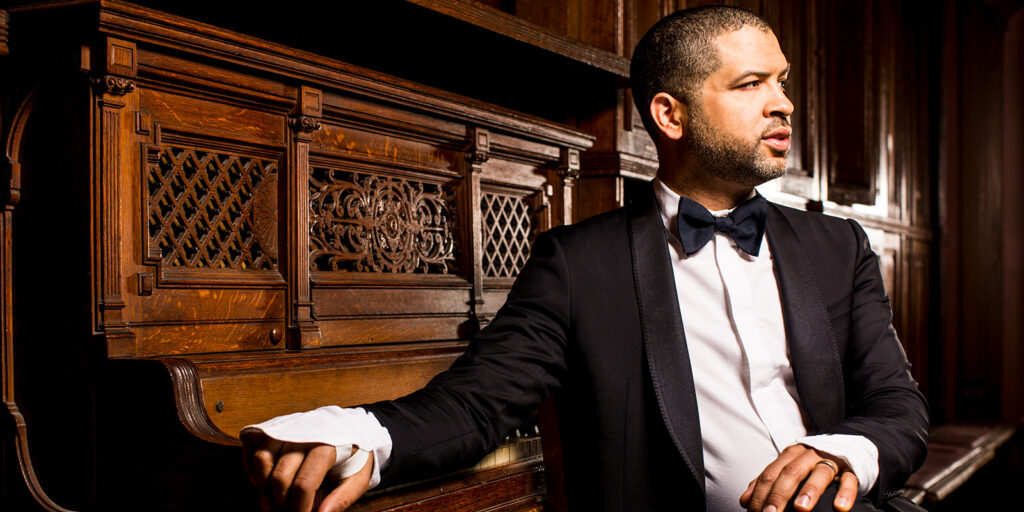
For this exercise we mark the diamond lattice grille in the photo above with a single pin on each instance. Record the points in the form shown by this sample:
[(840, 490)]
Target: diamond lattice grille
[(507, 227), (213, 210)]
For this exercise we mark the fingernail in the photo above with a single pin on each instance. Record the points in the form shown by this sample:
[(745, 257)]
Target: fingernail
[(843, 501), (769, 508), (803, 501)]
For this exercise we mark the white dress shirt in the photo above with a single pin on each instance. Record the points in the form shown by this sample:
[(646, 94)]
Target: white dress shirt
[(747, 400)]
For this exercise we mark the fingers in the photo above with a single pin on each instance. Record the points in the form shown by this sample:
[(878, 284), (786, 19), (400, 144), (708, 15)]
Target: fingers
[(847, 493), (773, 488), (290, 474), (263, 460), (307, 480), (799, 468), (350, 489), (820, 478), (745, 497), (287, 466), (250, 443)]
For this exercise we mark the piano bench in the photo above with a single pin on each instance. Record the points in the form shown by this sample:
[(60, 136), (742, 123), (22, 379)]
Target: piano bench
[(955, 452)]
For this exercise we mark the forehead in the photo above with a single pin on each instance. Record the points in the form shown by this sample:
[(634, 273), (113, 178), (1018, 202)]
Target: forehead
[(749, 48)]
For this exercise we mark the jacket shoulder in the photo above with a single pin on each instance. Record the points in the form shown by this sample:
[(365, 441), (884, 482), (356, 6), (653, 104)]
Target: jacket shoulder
[(596, 229), (820, 229)]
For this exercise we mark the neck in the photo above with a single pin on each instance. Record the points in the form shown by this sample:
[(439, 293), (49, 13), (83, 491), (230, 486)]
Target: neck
[(709, 191)]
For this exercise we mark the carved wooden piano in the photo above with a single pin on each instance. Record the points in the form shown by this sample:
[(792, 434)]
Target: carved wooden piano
[(204, 230)]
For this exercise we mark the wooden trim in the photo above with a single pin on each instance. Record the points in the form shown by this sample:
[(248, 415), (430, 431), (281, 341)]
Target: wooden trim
[(302, 329), (152, 27), (4, 49), (516, 28), (14, 420)]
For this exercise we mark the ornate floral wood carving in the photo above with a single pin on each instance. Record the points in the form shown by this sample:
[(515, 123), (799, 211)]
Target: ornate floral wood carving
[(213, 210), (306, 123), (507, 233), (116, 85), (362, 222)]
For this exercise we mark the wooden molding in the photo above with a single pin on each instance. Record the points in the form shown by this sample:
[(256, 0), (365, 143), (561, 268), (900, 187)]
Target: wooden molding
[(303, 331), (4, 33), (516, 28)]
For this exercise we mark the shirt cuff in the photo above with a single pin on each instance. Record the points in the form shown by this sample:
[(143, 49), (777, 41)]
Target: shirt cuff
[(338, 427), (857, 451)]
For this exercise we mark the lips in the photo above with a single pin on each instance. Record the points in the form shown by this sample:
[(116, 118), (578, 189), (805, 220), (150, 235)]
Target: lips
[(779, 139)]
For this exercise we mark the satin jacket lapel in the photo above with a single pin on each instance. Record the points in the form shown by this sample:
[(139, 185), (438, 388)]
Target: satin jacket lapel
[(664, 341), (813, 352)]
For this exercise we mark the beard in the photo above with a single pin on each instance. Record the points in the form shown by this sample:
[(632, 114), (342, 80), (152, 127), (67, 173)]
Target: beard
[(734, 159)]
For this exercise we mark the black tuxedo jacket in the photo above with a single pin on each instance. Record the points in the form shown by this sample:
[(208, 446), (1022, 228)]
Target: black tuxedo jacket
[(593, 319)]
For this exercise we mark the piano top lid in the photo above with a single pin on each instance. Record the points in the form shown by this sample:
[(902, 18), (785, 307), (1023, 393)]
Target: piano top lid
[(157, 29), (449, 46)]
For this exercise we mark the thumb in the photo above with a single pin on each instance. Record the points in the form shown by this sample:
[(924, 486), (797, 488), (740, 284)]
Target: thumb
[(350, 489)]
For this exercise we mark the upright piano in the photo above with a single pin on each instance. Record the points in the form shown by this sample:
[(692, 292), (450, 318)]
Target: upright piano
[(203, 230)]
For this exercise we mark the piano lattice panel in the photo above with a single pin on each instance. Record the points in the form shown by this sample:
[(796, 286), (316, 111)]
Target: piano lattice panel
[(507, 225), (213, 210), (362, 222)]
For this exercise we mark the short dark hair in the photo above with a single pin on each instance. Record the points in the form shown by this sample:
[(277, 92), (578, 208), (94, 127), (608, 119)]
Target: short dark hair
[(679, 52)]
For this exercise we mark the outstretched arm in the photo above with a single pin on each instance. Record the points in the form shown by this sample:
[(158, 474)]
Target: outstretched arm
[(508, 370)]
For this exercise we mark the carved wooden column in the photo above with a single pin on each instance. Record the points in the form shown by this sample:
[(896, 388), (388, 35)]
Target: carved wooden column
[(302, 329), (117, 68), (477, 153), (568, 173)]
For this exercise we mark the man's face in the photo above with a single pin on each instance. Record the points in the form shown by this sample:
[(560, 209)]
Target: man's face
[(739, 121)]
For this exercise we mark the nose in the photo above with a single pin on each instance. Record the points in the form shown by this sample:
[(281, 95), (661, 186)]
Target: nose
[(778, 104)]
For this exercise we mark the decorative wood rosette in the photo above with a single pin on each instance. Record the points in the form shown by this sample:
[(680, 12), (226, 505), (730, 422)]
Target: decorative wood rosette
[(361, 222)]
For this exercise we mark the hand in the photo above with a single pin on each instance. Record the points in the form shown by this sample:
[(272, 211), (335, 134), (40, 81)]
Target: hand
[(289, 474), (776, 485)]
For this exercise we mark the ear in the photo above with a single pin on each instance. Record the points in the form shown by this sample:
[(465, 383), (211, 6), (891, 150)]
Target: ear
[(670, 115)]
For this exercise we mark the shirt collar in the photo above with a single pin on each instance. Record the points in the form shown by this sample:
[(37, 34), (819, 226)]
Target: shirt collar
[(668, 204)]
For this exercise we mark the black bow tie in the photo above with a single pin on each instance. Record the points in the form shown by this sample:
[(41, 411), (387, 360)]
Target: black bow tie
[(745, 224)]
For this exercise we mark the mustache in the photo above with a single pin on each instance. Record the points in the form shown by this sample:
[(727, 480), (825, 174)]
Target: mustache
[(776, 123)]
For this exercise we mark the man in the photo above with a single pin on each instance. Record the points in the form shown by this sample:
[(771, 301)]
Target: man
[(699, 361)]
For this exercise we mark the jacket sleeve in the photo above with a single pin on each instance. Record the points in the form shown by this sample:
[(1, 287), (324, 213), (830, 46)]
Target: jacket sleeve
[(883, 403), (507, 371)]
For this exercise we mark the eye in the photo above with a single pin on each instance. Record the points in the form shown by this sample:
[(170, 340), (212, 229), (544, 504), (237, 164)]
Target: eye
[(783, 83), (751, 84)]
